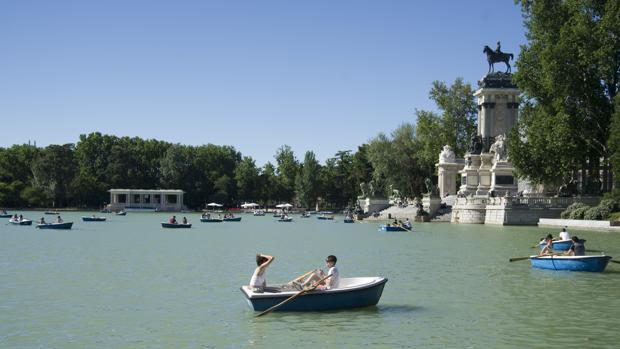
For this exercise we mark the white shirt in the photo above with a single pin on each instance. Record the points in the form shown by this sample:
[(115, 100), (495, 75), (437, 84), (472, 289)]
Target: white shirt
[(334, 281), (564, 235), (257, 280)]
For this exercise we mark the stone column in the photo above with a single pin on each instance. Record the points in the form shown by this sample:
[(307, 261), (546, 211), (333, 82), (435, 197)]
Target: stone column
[(469, 174), (447, 176), (484, 174), (503, 180)]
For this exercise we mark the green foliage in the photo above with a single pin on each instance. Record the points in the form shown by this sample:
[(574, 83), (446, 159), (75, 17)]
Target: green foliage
[(566, 214), (287, 171), (248, 180), (595, 213), (579, 212), (308, 182), (569, 75)]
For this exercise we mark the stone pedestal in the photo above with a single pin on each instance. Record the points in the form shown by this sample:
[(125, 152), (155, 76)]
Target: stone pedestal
[(484, 174), (370, 205), (469, 174), (431, 204), (503, 181)]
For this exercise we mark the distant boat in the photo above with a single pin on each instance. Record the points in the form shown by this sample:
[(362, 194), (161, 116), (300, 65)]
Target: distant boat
[(348, 220), (595, 264), (176, 225), (325, 218), (93, 219), (560, 245), (391, 228), (232, 219), (259, 213), (22, 222), (353, 293), (5, 215), (289, 219), (211, 220), (121, 213), (52, 212), (65, 225), (305, 215)]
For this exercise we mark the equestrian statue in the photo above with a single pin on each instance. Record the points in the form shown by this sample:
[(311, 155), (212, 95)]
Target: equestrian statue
[(496, 57)]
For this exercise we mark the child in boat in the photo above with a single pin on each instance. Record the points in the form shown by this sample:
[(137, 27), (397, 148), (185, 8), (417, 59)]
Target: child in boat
[(258, 282), (330, 283)]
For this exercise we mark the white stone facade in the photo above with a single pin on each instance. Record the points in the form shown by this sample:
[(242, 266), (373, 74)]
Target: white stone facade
[(146, 199)]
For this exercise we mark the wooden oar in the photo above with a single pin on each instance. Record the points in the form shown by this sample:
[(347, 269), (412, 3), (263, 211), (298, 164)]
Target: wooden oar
[(301, 277), (514, 259), (300, 293), (614, 261)]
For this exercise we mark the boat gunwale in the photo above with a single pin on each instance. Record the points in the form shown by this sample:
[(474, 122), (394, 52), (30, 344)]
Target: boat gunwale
[(378, 280)]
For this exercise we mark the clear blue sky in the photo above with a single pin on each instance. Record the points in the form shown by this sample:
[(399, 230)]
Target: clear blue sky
[(317, 75)]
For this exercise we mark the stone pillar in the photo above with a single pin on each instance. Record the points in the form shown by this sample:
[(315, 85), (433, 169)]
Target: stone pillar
[(447, 175), (469, 174), (503, 180), (484, 174)]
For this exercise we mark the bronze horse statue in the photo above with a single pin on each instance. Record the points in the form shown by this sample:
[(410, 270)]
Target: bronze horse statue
[(495, 57)]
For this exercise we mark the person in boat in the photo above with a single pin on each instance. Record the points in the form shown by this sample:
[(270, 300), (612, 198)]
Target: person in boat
[(330, 283), (59, 220), (15, 218), (42, 220), (21, 218), (184, 220), (407, 224), (577, 248), (548, 249), (173, 220), (4, 211), (258, 282), (564, 234)]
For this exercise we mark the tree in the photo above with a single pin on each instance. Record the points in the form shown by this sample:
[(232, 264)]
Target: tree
[(308, 181), (247, 178), (569, 74), (53, 172), (287, 171)]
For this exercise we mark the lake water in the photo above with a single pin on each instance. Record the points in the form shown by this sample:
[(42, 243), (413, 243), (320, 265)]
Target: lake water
[(128, 283)]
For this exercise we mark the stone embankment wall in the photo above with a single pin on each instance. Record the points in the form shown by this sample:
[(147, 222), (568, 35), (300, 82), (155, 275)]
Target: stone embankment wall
[(578, 224)]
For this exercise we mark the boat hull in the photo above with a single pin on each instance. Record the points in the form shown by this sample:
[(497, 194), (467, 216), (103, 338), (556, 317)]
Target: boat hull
[(51, 212), (176, 226), (392, 228), (121, 213), (348, 221), (285, 220), (596, 264), (236, 219), (562, 245), (325, 218), (8, 215), (93, 219), (211, 220), (357, 297), (63, 226), (24, 222)]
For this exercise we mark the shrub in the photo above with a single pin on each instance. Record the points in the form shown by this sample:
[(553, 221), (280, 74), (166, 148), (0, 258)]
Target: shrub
[(569, 210), (579, 212), (595, 213), (611, 205)]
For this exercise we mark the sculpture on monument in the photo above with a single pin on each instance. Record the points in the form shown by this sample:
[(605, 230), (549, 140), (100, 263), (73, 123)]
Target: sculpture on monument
[(496, 57), (446, 155), (476, 145), (364, 189), (431, 189), (499, 148)]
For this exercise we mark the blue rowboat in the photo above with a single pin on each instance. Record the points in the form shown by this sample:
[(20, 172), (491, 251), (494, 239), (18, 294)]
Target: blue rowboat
[(176, 225), (93, 219), (391, 228), (348, 220), (64, 225), (234, 219), (560, 245), (575, 263), (285, 220), (211, 220), (22, 222), (352, 293)]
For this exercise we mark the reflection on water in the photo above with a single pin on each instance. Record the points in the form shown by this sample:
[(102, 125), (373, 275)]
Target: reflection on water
[(130, 283)]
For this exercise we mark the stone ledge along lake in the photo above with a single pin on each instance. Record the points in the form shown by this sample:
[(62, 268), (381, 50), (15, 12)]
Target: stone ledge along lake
[(128, 283)]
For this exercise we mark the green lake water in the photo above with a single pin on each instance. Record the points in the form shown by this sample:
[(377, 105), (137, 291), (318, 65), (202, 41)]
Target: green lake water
[(128, 283)]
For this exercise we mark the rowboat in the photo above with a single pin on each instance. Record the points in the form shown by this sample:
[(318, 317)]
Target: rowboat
[(211, 220), (285, 220), (391, 228), (305, 215), (259, 213), (348, 220), (176, 225), (65, 225), (325, 218), (575, 263), (233, 219), (352, 293), (560, 245), (22, 222), (93, 219), (121, 213), (52, 212)]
